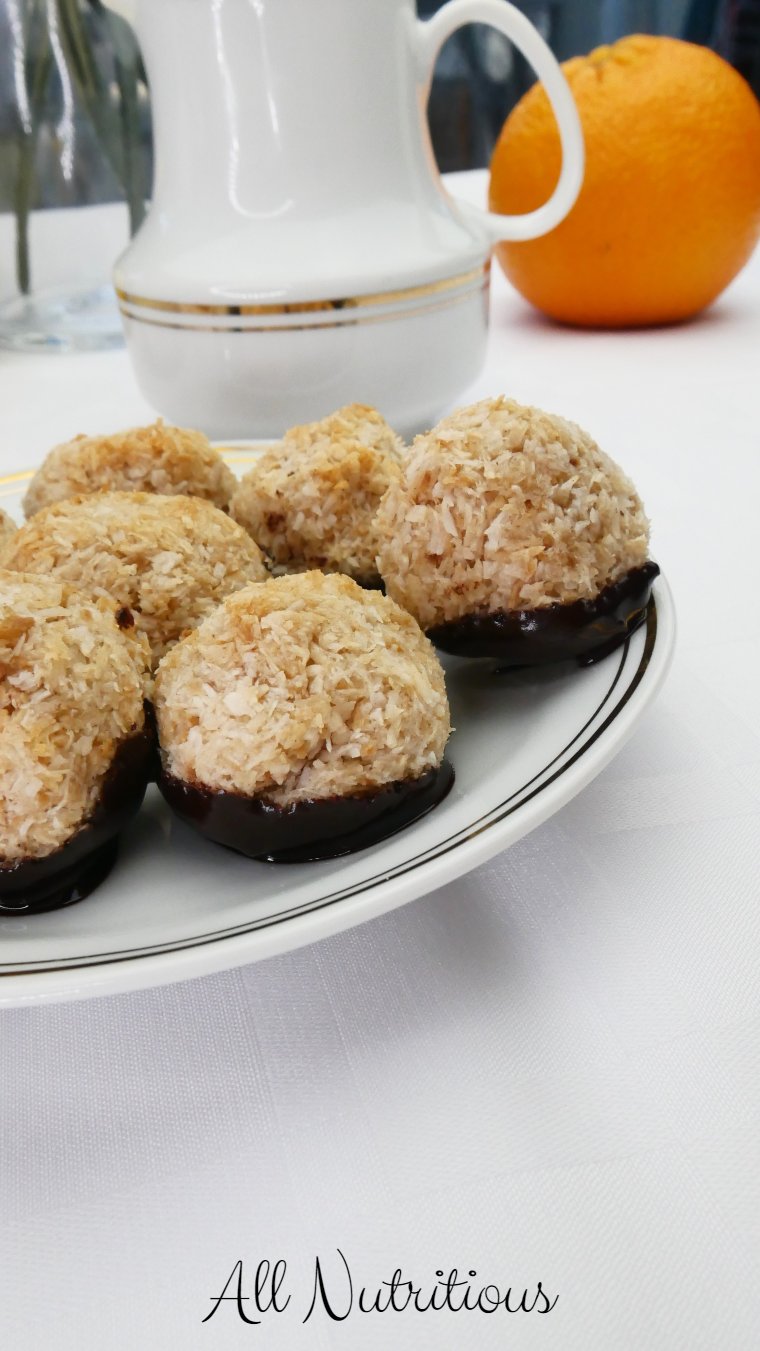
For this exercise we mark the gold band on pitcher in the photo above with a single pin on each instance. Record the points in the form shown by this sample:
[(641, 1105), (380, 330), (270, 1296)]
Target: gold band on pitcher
[(10, 484), (383, 317), (307, 306)]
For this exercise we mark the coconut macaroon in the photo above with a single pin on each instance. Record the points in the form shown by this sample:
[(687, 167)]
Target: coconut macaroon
[(304, 692), (74, 755), (310, 500), (503, 510), (154, 459), (8, 529), (170, 560)]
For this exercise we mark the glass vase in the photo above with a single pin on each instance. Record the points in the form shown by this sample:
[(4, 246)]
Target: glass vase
[(74, 134)]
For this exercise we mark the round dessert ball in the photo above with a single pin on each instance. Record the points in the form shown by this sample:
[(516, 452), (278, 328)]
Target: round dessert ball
[(7, 530), (506, 508), (72, 686), (307, 687), (154, 459), (310, 500), (170, 560)]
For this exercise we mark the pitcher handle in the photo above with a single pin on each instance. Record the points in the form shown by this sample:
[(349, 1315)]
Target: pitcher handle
[(510, 21)]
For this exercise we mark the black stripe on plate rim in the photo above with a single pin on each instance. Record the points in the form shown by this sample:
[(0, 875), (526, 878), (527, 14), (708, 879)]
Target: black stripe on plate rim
[(477, 827)]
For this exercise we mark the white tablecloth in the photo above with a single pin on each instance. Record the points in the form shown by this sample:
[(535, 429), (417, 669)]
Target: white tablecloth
[(546, 1071)]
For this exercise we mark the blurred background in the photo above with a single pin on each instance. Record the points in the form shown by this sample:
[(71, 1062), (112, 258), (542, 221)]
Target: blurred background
[(479, 76), (75, 108)]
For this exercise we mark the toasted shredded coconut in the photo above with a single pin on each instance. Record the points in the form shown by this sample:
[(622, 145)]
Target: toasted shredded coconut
[(503, 507), (310, 500), (72, 685), (304, 687), (7, 531), (155, 459), (169, 559)]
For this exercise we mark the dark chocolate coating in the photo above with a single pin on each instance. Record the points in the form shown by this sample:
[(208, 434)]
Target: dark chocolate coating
[(372, 583), (151, 729), (304, 832), (585, 630), (83, 862)]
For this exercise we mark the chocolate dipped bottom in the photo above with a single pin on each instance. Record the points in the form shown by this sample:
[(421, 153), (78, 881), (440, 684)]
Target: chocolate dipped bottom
[(309, 830), (584, 630), (373, 582), (72, 872)]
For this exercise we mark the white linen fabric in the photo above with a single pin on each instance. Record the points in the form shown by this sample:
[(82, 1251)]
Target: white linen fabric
[(548, 1070)]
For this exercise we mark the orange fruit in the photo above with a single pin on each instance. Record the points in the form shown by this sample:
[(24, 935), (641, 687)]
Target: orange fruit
[(669, 210)]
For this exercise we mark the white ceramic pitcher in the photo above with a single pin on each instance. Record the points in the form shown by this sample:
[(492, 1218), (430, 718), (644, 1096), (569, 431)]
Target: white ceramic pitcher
[(301, 251)]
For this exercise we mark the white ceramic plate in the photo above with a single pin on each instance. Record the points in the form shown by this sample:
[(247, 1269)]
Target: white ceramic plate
[(177, 906)]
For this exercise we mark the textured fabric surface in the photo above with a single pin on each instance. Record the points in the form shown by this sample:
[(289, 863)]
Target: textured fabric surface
[(549, 1070)]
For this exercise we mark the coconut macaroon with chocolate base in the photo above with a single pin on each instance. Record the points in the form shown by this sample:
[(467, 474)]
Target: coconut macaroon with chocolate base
[(305, 718), (510, 534), (75, 753), (310, 500), (154, 459), (170, 560)]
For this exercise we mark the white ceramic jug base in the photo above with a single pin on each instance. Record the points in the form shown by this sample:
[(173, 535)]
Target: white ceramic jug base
[(251, 376)]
